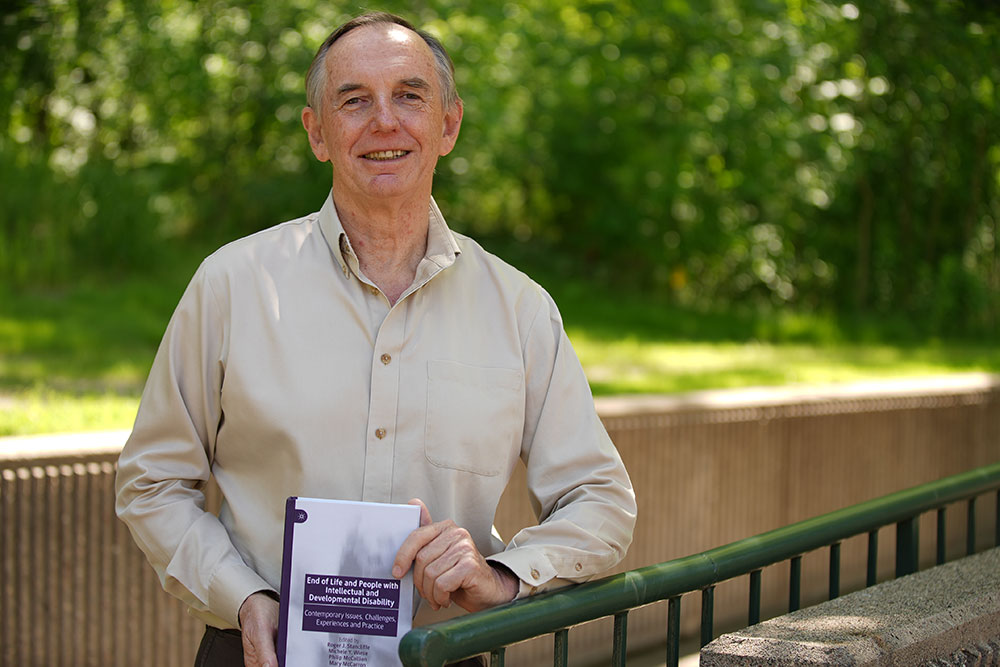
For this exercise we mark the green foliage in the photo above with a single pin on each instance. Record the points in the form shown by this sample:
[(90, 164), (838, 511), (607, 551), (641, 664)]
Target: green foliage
[(811, 155)]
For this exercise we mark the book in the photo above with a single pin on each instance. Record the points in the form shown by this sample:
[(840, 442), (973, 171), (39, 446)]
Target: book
[(340, 605)]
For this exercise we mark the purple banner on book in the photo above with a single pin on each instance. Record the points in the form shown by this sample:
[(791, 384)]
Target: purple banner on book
[(349, 620), (355, 605)]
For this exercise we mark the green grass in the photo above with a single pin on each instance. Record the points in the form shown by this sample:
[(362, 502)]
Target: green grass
[(634, 366), (630, 344), (76, 358)]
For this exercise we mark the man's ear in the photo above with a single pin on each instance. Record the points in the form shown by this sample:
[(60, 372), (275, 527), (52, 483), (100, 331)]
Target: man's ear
[(452, 123), (310, 121)]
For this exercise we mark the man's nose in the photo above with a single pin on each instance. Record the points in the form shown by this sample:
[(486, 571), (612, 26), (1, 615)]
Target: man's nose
[(385, 118)]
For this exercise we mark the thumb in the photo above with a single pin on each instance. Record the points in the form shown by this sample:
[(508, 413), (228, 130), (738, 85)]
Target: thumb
[(425, 514)]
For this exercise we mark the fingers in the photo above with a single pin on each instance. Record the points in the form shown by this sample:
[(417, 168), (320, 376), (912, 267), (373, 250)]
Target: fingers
[(259, 621), (412, 545), (447, 564)]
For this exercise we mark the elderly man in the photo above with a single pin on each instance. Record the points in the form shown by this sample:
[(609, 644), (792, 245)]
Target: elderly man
[(366, 352)]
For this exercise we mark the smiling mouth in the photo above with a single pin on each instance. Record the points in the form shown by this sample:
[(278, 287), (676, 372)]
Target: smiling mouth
[(384, 155)]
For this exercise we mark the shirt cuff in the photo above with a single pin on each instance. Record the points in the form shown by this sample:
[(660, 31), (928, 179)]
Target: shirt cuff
[(230, 586), (533, 569)]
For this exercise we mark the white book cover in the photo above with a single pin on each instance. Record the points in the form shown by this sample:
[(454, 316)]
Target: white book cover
[(340, 604)]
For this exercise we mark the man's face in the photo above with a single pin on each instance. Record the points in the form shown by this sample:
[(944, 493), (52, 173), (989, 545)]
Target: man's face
[(382, 124)]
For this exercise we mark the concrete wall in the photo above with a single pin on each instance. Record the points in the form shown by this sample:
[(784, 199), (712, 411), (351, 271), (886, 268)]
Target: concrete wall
[(946, 615), (708, 468)]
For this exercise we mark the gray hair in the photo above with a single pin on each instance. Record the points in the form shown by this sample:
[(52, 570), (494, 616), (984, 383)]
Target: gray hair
[(316, 78)]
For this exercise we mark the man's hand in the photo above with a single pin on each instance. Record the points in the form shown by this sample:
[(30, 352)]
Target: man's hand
[(259, 622), (447, 567)]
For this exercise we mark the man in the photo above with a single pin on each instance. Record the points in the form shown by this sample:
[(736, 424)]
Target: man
[(366, 352)]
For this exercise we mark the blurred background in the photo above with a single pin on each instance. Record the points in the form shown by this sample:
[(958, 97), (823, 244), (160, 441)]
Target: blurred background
[(717, 194)]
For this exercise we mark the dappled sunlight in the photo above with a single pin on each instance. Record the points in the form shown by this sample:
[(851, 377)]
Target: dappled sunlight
[(633, 366), (831, 629)]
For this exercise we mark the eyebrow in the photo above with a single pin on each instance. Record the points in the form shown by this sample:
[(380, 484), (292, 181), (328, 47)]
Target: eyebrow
[(348, 87), (415, 82)]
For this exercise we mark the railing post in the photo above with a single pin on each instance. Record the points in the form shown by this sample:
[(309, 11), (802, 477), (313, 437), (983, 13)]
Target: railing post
[(872, 574), (620, 647), (673, 631), (496, 657), (753, 615), (707, 614), (834, 570), (942, 534), (970, 529), (996, 536), (795, 583), (907, 546), (560, 648)]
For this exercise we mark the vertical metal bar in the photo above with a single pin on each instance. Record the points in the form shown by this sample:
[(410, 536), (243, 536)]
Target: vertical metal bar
[(834, 570), (673, 631), (942, 534), (497, 656), (707, 614), (907, 546), (753, 616), (620, 646), (795, 584), (970, 528), (996, 536), (872, 576), (560, 649)]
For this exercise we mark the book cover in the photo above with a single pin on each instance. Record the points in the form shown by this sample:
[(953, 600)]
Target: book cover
[(340, 604)]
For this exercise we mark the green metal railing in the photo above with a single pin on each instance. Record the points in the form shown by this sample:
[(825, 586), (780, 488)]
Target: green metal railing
[(554, 613)]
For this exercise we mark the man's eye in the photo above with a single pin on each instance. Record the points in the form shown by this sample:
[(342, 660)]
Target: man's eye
[(412, 96)]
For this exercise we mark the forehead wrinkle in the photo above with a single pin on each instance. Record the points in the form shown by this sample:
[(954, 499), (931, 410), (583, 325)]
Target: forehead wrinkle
[(401, 49), (411, 82)]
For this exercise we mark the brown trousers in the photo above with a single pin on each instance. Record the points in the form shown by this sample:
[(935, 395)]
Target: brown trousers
[(224, 648)]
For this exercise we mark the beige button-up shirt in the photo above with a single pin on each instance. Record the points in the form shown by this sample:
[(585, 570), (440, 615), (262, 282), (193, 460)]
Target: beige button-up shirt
[(285, 372)]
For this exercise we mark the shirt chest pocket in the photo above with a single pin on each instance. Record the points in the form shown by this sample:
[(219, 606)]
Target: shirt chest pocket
[(475, 416)]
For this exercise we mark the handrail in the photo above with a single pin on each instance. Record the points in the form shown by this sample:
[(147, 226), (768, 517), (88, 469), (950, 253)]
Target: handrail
[(473, 634)]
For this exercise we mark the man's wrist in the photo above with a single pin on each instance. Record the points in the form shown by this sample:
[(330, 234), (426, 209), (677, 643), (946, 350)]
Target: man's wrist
[(243, 607), (509, 582)]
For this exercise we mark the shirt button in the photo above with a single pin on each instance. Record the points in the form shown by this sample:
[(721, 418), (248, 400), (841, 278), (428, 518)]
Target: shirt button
[(386, 359), (373, 290), (380, 433), (578, 566), (534, 574)]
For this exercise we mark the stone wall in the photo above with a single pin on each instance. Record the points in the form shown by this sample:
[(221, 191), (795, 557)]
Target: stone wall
[(946, 615)]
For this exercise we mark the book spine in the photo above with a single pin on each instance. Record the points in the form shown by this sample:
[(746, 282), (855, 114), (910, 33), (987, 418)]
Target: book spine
[(291, 514)]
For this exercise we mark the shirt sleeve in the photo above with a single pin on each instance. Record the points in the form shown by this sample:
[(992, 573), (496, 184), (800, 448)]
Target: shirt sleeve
[(578, 487), (167, 460)]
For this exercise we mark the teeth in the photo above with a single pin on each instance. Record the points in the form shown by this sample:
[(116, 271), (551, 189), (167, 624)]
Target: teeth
[(385, 155)]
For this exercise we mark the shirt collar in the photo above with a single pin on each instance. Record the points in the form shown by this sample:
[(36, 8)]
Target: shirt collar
[(442, 246)]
